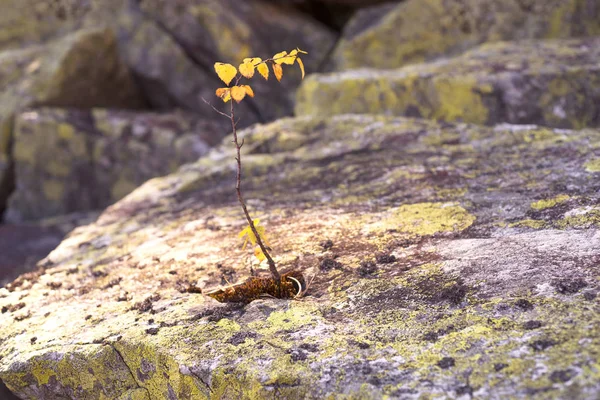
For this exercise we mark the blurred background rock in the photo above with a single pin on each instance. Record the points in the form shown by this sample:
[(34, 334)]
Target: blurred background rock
[(99, 96)]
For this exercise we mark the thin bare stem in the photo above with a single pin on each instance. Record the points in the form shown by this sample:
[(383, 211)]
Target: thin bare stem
[(213, 107), (238, 185)]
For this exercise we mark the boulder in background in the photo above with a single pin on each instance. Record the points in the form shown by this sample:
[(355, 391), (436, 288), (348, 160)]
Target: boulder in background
[(554, 83), (393, 35), (76, 160), (80, 70)]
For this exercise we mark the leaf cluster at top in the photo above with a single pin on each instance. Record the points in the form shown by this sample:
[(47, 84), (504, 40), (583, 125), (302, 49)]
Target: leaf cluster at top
[(247, 68)]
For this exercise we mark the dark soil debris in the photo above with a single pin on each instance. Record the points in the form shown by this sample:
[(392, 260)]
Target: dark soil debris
[(12, 307), (192, 288), (385, 258), (54, 285), (499, 366), (454, 294), (462, 390), (329, 263), (215, 314), (240, 337), (326, 244), (367, 268), (561, 376), (298, 354), (98, 273), (152, 331), (446, 362), (26, 279), (542, 344), (146, 305), (524, 305), (589, 296), (569, 286), (360, 345), (430, 337), (532, 325), (21, 317), (309, 347), (113, 282)]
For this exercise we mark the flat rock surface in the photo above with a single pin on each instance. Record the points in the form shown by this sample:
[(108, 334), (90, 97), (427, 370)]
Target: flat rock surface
[(448, 260), (413, 31), (553, 83)]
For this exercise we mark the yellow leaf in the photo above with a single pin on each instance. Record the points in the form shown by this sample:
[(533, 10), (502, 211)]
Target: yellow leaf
[(226, 72), (258, 253), (248, 90), (263, 69), (224, 94), (238, 93), (247, 70), (279, 57), (278, 71), (250, 235), (284, 58), (301, 64), (254, 60)]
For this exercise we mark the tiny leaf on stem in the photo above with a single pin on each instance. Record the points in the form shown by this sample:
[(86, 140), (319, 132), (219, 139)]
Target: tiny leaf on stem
[(278, 71), (224, 94), (250, 235), (248, 90), (247, 69), (263, 69), (238, 93)]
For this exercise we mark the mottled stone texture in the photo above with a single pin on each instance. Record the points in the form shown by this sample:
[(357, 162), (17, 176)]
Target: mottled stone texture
[(80, 70), (554, 83), (171, 45), (27, 22), (396, 34), (461, 260), (75, 160)]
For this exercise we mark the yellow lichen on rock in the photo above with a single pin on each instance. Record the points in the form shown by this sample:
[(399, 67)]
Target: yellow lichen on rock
[(549, 203), (593, 165), (461, 100), (425, 219)]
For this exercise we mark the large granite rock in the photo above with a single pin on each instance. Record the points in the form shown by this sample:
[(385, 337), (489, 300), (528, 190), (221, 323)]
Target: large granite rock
[(392, 35), (448, 260), (554, 83), (171, 45), (76, 160), (230, 30), (27, 22), (80, 70)]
